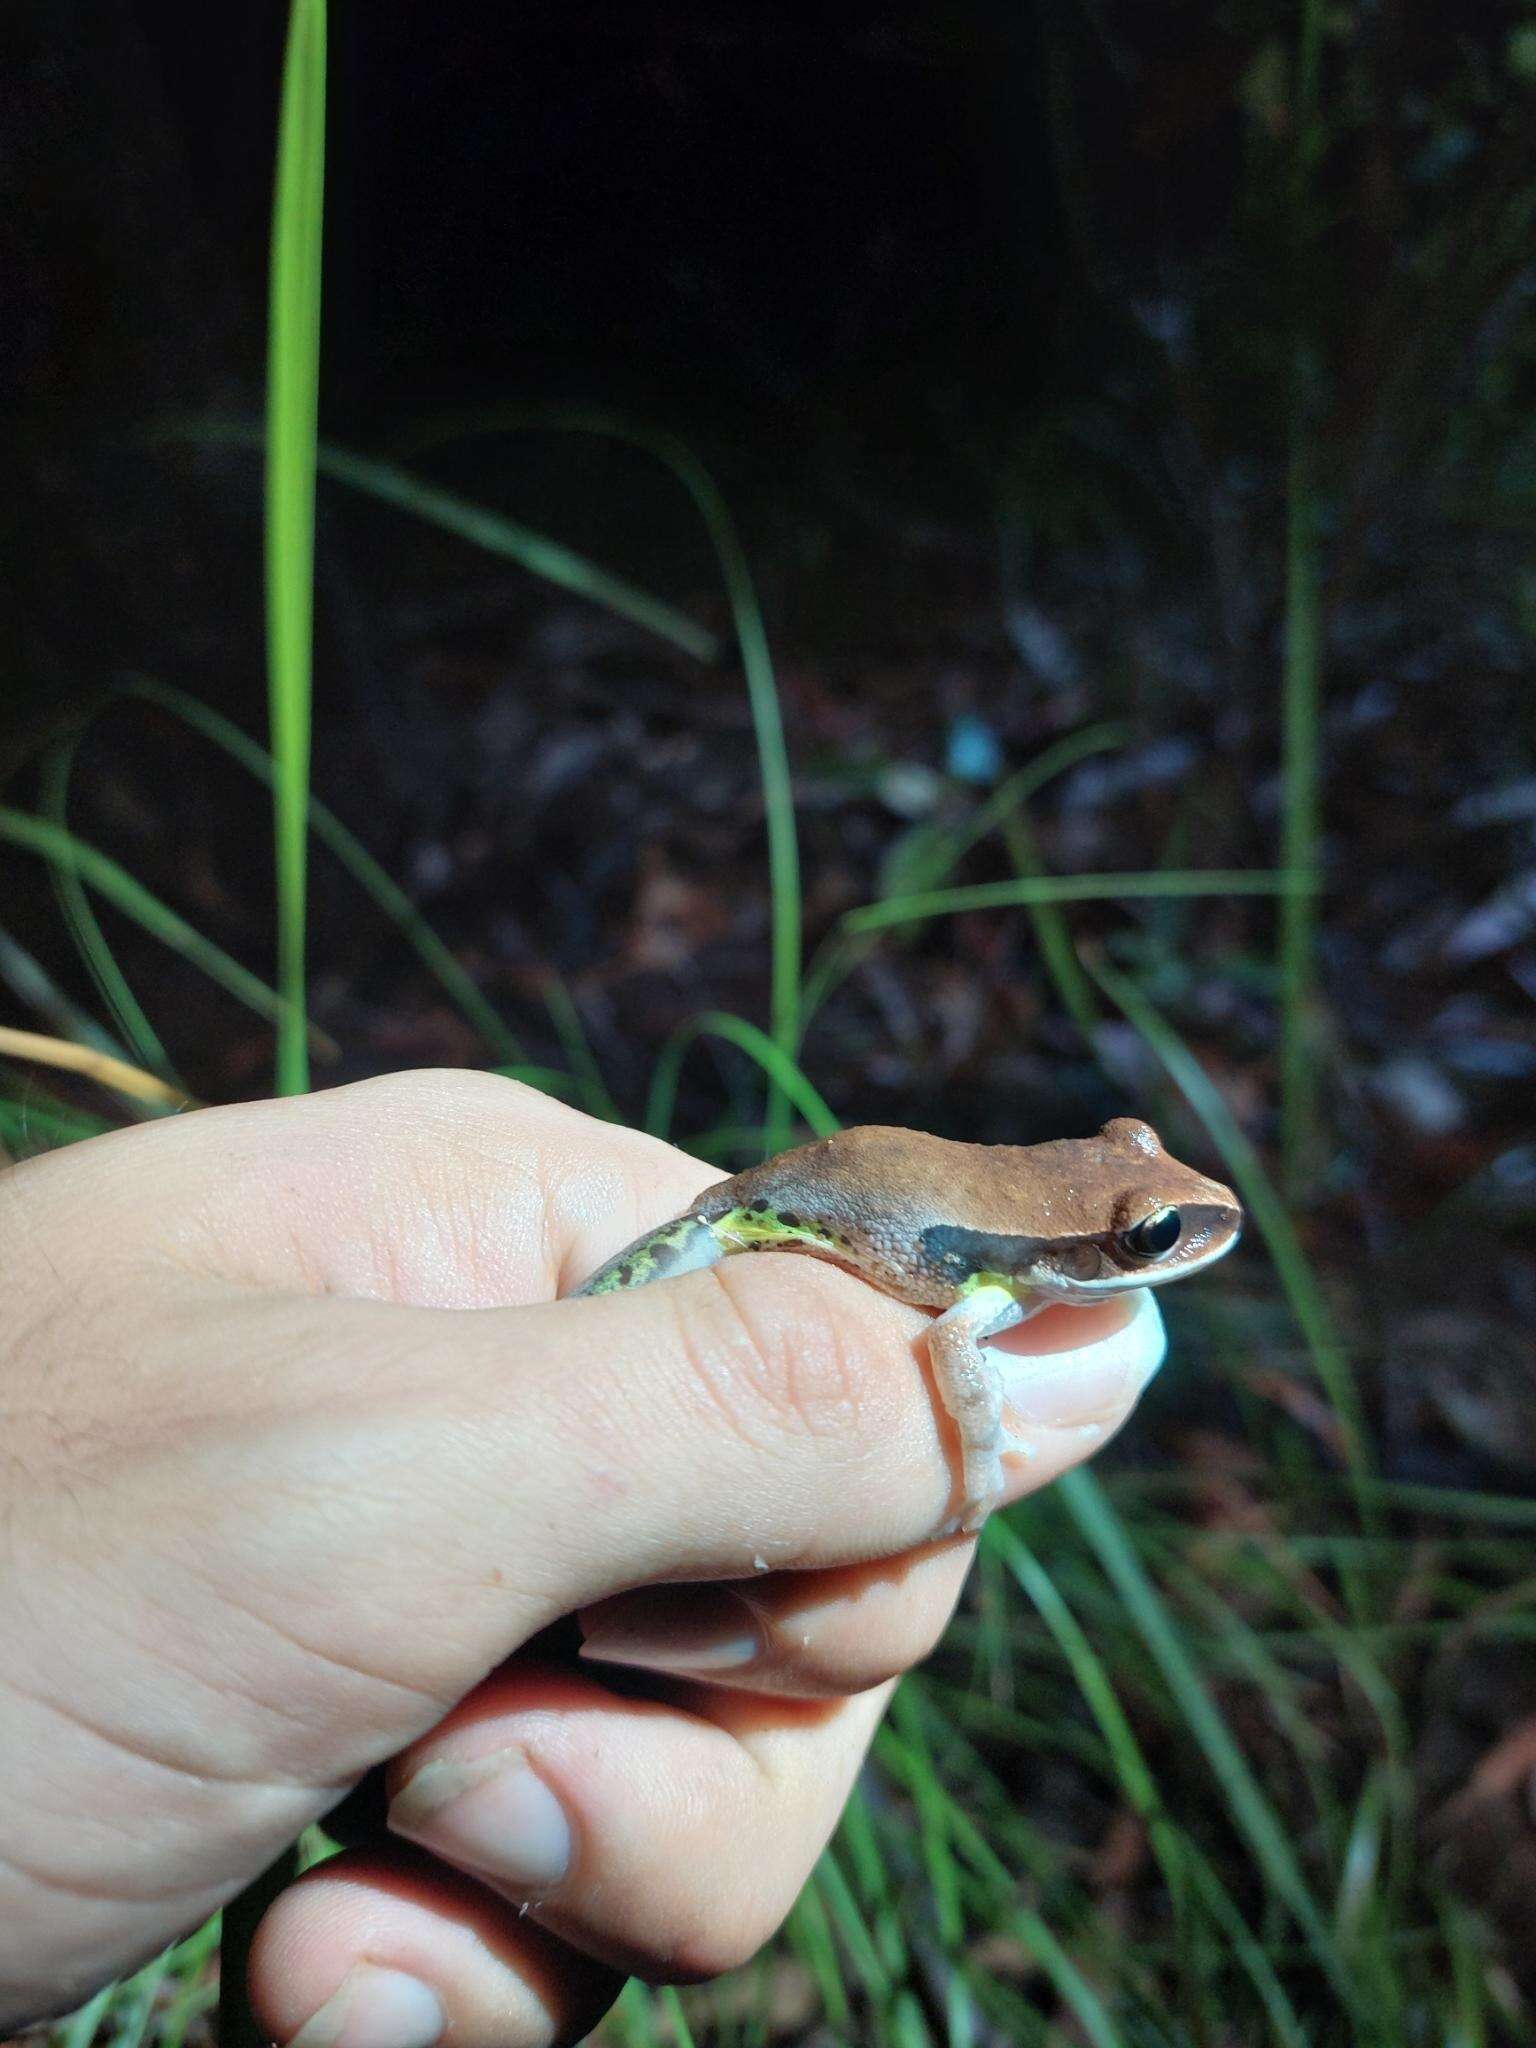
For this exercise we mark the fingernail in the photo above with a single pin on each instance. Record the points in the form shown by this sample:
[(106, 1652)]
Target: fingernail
[(493, 1814), (375, 2008), (687, 1631), (1076, 1388)]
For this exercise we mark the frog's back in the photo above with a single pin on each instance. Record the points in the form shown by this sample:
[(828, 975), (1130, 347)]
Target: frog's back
[(862, 1198)]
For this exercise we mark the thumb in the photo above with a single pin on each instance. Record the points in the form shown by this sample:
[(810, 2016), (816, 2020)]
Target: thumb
[(770, 1413)]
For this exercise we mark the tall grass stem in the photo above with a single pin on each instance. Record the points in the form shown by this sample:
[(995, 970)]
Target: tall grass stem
[(293, 396)]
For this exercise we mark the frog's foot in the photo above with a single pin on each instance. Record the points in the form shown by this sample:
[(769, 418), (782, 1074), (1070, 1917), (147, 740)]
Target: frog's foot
[(686, 1245), (972, 1391)]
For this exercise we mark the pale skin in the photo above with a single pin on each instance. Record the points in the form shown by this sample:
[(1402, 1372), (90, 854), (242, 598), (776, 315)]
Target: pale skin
[(306, 1473)]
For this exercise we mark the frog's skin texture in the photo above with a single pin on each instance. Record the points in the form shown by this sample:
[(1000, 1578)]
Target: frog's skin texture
[(989, 1234)]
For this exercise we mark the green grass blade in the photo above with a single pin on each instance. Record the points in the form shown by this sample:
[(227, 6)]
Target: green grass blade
[(571, 1032), (1187, 1872), (1052, 935), (1329, 1355), (841, 954), (670, 2003), (757, 1045), (1067, 1980), (1251, 1812), (810, 1935), (196, 1993), (1300, 1039), (32, 1121), (932, 1808), (1103, 888), (31, 983), (772, 765), (123, 1005), (1302, 684), (540, 556), (293, 385), (1093, 1682), (80, 2029), (373, 879), (634, 2014), (108, 879), (853, 1930), (762, 695), (482, 528)]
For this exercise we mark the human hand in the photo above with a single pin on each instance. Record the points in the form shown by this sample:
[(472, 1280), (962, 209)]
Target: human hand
[(306, 1471)]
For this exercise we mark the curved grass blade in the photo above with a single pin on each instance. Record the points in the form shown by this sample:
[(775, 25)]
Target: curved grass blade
[(498, 535), (1330, 1358), (104, 875), (1186, 1871), (932, 1809), (195, 1993), (1051, 933), (841, 954), (772, 759), (375, 880), (1030, 889), (762, 693), (809, 1932), (293, 396), (122, 1004), (672, 2005), (502, 536), (79, 2030), (31, 983), (757, 1045), (566, 1018), (1067, 1980), (35, 1122), (1251, 1812)]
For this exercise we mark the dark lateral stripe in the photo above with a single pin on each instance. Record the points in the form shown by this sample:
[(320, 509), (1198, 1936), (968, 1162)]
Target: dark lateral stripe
[(957, 1250)]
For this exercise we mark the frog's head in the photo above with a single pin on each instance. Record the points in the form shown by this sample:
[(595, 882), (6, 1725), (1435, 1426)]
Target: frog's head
[(1145, 1219), (1108, 1214)]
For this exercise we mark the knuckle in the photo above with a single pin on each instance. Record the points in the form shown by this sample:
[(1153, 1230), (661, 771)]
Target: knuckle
[(441, 1093)]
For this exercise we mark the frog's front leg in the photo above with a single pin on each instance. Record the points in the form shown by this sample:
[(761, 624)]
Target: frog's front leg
[(971, 1389)]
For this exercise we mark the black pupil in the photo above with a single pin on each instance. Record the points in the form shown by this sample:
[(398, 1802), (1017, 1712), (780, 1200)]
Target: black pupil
[(1159, 1234)]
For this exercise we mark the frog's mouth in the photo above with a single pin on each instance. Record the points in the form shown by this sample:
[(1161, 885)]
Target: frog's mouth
[(1118, 1342)]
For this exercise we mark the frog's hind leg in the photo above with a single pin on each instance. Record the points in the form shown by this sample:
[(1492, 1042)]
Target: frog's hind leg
[(684, 1246), (972, 1391)]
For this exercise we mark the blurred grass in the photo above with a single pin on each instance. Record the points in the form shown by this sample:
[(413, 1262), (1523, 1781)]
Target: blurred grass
[(373, 879), (123, 1006), (1302, 675), (551, 561), (784, 893), (112, 881)]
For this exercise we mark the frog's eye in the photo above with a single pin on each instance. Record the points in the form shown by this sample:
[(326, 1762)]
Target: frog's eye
[(1154, 1237)]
